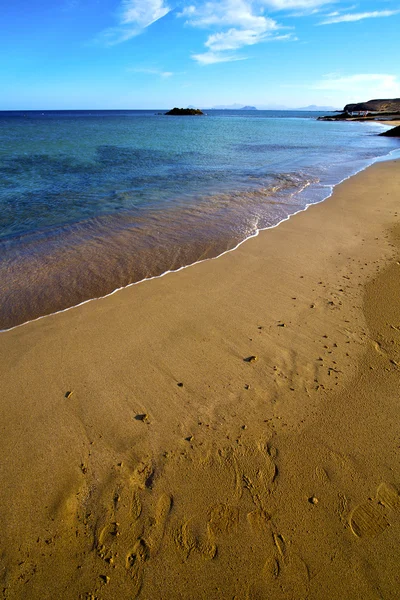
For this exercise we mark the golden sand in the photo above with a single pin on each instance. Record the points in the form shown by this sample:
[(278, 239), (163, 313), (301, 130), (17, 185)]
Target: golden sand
[(226, 432)]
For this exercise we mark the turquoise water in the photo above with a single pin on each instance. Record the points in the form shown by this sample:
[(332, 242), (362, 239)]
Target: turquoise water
[(93, 201)]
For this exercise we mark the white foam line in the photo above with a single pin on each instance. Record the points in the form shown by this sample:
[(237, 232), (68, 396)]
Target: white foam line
[(255, 234)]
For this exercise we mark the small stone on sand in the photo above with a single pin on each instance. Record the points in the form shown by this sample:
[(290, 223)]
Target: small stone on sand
[(251, 358), (142, 417)]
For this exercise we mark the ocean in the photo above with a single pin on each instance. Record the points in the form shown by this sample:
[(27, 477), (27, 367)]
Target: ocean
[(92, 201)]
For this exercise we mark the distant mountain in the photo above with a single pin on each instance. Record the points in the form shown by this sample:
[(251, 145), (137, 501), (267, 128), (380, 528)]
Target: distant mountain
[(227, 107), (236, 106), (273, 107), (313, 107)]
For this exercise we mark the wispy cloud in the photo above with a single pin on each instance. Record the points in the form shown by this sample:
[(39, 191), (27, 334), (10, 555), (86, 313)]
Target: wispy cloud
[(239, 23), (348, 18), (134, 17), (364, 84), (211, 58), (150, 71), (297, 4), (224, 13)]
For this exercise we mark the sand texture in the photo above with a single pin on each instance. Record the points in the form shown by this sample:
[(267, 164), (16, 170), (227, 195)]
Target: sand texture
[(230, 431)]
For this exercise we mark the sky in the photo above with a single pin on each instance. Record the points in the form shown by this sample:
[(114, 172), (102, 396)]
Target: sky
[(156, 54)]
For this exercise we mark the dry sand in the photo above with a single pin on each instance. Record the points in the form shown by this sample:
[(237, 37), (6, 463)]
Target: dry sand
[(394, 122), (144, 456)]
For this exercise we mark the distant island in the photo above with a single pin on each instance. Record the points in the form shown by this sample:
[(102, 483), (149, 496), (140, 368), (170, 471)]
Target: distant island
[(372, 110), (272, 107), (184, 111)]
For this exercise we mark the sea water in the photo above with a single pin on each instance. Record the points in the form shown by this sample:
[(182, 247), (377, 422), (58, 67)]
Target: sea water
[(92, 201)]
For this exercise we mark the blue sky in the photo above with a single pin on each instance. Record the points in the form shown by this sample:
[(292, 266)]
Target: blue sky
[(66, 54)]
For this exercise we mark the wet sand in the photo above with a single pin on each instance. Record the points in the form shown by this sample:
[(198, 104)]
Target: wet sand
[(227, 431)]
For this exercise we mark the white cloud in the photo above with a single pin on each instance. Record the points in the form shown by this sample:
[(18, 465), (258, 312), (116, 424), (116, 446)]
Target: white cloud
[(237, 38), (134, 17), (143, 12), (365, 85), (211, 58), (159, 72), (239, 23), (300, 4), (224, 13), (347, 18)]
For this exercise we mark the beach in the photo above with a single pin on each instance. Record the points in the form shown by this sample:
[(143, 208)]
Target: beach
[(90, 203), (226, 431)]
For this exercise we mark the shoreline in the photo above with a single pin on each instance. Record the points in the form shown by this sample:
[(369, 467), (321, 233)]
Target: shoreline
[(331, 189), (225, 431)]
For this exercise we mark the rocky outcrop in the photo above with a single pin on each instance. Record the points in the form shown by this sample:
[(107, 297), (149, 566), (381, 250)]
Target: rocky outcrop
[(381, 106), (373, 110), (184, 111), (394, 132)]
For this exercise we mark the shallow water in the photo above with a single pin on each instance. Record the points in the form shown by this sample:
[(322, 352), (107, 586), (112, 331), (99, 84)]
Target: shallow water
[(93, 201)]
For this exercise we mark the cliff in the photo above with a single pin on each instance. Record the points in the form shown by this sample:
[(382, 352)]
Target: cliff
[(372, 110), (381, 106)]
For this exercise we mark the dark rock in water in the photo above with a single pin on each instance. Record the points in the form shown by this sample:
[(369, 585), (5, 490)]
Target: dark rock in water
[(394, 132), (184, 111), (381, 106), (248, 108), (343, 116)]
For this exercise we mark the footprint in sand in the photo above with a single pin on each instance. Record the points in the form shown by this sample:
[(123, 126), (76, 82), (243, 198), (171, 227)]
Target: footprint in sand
[(193, 541), (135, 562), (255, 472), (280, 571), (372, 517), (259, 520), (143, 475), (136, 505), (223, 518), (148, 544), (156, 533)]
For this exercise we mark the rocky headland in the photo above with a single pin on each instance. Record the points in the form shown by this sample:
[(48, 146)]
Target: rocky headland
[(394, 132), (372, 110)]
